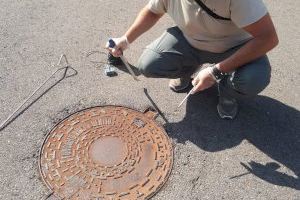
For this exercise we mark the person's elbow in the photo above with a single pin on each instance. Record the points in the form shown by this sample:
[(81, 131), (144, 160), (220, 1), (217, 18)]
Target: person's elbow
[(269, 40), (273, 40), (264, 31)]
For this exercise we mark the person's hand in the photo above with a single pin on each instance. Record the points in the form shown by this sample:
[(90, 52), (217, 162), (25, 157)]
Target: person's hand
[(121, 44), (203, 80)]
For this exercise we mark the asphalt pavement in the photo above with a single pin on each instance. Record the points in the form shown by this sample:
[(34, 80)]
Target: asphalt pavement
[(256, 156)]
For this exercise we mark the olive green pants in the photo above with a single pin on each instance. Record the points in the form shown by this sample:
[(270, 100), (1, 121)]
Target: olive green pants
[(171, 56)]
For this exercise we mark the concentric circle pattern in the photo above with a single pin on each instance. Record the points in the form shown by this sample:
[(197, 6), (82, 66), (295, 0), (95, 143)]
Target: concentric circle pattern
[(108, 152)]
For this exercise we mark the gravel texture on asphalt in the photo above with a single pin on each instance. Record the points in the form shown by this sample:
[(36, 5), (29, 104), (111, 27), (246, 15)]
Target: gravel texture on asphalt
[(256, 156)]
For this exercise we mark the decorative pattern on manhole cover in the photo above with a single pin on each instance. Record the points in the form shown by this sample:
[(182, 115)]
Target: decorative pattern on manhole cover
[(108, 152)]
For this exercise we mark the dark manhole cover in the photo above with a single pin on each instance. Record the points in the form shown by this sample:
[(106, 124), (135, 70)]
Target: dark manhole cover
[(108, 152)]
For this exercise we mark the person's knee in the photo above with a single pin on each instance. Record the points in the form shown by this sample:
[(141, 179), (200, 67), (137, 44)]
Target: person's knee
[(252, 82), (147, 63)]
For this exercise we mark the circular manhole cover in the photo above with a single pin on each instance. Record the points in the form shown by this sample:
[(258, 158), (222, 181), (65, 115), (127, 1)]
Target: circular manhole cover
[(108, 152)]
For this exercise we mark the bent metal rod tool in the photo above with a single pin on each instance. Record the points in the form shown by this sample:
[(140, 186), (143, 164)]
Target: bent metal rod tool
[(112, 44), (65, 69), (185, 98), (191, 92)]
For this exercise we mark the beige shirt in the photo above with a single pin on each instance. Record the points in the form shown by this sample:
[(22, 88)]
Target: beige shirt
[(205, 32)]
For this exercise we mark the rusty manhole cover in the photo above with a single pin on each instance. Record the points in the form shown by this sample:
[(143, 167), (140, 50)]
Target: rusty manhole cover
[(108, 152)]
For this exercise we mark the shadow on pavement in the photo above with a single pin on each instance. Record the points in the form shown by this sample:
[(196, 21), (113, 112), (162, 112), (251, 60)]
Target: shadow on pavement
[(268, 124), (123, 68)]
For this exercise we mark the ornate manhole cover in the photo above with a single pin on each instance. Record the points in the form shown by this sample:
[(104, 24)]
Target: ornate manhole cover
[(108, 152)]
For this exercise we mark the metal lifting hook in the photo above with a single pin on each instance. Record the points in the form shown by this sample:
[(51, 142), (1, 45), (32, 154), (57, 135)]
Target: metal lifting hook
[(64, 69)]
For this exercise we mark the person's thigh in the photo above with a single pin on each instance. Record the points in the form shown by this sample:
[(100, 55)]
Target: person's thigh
[(169, 56), (247, 80), (210, 57)]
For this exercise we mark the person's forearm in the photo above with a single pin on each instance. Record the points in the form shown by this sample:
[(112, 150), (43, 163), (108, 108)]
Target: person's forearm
[(144, 21), (252, 50)]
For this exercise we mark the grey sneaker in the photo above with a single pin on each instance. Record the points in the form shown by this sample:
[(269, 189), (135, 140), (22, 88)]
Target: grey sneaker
[(179, 84), (227, 108)]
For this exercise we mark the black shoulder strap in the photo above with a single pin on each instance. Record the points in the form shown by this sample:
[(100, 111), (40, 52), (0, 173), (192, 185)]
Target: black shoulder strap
[(210, 12)]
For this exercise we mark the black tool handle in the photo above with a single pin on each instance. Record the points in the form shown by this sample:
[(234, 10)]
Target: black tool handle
[(111, 43)]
